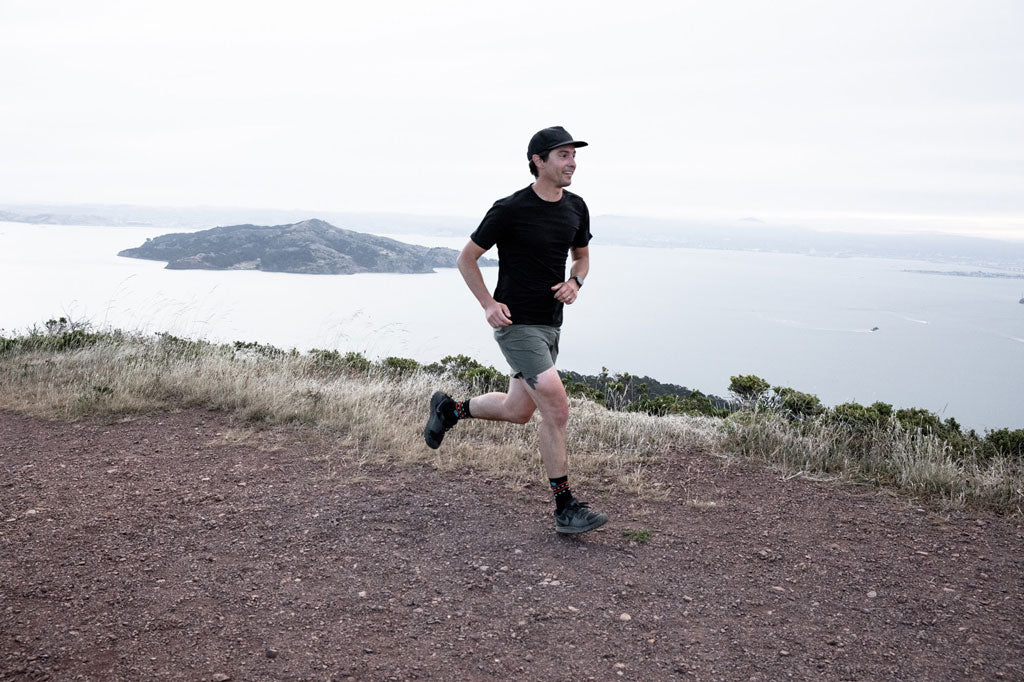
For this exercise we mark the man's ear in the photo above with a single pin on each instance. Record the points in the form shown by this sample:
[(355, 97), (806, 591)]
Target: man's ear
[(536, 160)]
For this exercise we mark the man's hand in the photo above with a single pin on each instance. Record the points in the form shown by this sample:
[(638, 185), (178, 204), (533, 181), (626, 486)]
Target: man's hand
[(498, 315), (566, 292)]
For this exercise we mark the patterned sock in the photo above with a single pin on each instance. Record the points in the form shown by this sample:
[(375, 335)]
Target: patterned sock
[(560, 489), (462, 409)]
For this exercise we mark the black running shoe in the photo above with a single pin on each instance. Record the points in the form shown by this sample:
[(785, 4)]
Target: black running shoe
[(577, 518), (442, 417)]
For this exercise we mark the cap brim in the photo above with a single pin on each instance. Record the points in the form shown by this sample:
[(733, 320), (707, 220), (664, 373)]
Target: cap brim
[(574, 143)]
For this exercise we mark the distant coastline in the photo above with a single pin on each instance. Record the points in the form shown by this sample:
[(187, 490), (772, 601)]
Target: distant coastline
[(974, 273), (742, 234)]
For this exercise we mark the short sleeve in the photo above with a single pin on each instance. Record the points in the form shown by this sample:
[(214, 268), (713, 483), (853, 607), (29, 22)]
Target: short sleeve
[(487, 233), (583, 235)]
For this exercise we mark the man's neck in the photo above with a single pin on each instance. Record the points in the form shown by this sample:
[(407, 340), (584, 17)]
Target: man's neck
[(547, 191)]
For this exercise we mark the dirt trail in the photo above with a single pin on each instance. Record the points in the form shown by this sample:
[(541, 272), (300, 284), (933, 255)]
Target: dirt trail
[(187, 546)]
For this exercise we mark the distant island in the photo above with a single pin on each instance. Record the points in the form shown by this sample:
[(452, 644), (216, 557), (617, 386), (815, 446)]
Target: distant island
[(311, 247)]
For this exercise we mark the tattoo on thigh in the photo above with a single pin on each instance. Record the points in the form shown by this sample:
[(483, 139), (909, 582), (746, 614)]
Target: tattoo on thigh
[(532, 381)]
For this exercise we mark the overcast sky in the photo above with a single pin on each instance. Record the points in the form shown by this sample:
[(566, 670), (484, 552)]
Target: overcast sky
[(874, 115)]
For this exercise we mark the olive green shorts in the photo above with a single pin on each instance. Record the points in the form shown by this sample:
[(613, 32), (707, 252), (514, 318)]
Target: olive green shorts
[(529, 349)]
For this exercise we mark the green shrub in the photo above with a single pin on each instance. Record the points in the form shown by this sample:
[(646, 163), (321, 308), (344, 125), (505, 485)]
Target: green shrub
[(748, 388), (60, 335), (582, 390), (1007, 443), (174, 347), (857, 415), (796, 403), (481, 378), (331, 361), (696, 404), (399, 366), (918, 419), (253, 349)]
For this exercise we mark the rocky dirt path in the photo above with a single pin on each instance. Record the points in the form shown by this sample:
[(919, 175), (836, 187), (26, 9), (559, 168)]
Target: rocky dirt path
[(187, 546)]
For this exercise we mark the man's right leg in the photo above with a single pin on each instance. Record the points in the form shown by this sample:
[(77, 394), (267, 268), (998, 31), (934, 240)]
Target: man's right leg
[(516, 406), (545, 392)]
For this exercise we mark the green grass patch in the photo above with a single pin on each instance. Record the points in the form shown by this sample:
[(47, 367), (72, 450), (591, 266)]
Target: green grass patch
[(640, 537)]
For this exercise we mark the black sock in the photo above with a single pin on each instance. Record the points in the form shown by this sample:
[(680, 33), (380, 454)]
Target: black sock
[(462, 409), (560, 489)]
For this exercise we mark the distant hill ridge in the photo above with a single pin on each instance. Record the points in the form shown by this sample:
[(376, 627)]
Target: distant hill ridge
[(745, 234), (308, 247)]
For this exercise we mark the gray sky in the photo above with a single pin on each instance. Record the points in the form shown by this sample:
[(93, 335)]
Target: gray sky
[(872, 115)]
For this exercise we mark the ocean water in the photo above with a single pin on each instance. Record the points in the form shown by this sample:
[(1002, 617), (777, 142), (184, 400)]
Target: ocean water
[(954, 345)]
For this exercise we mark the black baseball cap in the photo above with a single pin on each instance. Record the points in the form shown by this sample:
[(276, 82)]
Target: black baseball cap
[(549, 138)]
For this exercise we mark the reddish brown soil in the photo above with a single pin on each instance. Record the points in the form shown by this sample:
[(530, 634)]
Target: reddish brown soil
[(157, 548)]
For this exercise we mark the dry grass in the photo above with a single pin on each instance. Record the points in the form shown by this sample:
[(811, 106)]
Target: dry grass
[(377, 416), (921, 465)]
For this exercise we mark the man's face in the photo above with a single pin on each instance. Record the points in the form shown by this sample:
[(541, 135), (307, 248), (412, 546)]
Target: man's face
[(559, 167)]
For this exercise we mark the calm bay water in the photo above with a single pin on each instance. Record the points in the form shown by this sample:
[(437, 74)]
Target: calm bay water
[(954, 345)]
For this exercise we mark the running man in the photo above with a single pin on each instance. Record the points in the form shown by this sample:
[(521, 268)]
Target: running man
[(535, 230)]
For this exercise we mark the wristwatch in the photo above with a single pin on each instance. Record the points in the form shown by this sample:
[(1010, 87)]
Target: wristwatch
[(579, 282)]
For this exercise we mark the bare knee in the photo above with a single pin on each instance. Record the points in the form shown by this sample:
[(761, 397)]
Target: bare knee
[(558, 414), (550, 398)]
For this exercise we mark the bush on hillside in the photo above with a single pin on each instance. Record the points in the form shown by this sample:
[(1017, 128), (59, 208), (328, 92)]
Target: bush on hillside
[(580, 389), (259, 350), (58, 335), (696, 404), (797, 404), (400, 366), (748, 389), (481, 378), (1007, 443), (332, 362)]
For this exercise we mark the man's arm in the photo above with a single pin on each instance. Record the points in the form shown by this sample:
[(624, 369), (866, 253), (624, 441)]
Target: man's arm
[(498, 314), (567, 291)]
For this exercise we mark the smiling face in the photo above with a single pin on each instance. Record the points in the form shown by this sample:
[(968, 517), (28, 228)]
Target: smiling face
[(558, 169)]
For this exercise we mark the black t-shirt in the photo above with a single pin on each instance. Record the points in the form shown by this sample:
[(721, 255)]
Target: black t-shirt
[(533, 237)]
